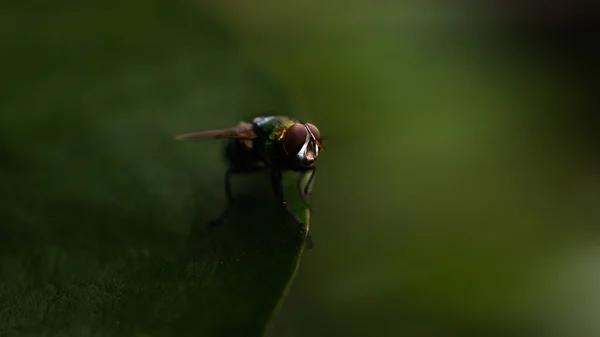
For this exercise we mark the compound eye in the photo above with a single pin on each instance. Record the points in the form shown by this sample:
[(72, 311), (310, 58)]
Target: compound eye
[(294, 139), (313, 129)]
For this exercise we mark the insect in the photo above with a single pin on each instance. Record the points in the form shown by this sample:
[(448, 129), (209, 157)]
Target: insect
[(272, 143)]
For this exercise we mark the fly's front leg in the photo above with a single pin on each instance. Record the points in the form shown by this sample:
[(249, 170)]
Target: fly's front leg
[(304, 191), (309, 242), (310, 180), (228, 193), (300, 189), (276, 180)]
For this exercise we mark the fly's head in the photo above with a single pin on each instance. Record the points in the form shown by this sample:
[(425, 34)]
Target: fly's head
[(302, 143)]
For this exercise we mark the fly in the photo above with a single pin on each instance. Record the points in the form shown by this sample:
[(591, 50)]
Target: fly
[(272, 143)]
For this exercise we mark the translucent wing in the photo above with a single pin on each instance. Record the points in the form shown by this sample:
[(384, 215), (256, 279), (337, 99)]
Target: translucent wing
[(241, 131)]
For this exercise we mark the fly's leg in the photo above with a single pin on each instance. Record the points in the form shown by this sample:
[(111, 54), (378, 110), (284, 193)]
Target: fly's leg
[(309, 242), (229, 197), (276, 180), (310, 180), (228, 193), (304, 191), (302, 195)]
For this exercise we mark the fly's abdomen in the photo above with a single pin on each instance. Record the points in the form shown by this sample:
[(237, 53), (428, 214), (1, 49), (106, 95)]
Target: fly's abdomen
[(242, 154)]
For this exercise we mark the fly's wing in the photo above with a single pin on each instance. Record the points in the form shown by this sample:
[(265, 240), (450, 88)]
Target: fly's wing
[(241, 131)]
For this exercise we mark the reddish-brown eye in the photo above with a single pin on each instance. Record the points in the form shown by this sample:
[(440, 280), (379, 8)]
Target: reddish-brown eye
[(295, 137), (314, 131)]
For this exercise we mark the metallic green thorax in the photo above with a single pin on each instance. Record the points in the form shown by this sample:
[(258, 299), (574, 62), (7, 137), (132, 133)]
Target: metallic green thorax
[(274, 127)]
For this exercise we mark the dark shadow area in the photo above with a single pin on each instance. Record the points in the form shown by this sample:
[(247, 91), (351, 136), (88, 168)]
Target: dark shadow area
[(255, 250)]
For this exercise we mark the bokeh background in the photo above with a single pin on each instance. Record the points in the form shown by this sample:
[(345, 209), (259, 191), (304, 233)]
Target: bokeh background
[(459, 192)]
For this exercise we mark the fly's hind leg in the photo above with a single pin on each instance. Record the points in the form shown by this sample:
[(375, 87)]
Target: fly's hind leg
[(228, 193)]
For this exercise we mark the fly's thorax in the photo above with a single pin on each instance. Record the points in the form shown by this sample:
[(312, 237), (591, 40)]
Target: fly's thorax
[(272, 127)]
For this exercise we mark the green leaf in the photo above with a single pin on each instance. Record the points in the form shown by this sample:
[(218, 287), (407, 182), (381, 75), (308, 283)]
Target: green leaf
[(225, 280), (102, 213)]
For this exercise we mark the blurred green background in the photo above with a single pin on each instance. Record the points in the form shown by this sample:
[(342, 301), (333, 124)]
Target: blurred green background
[(458, 195)]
